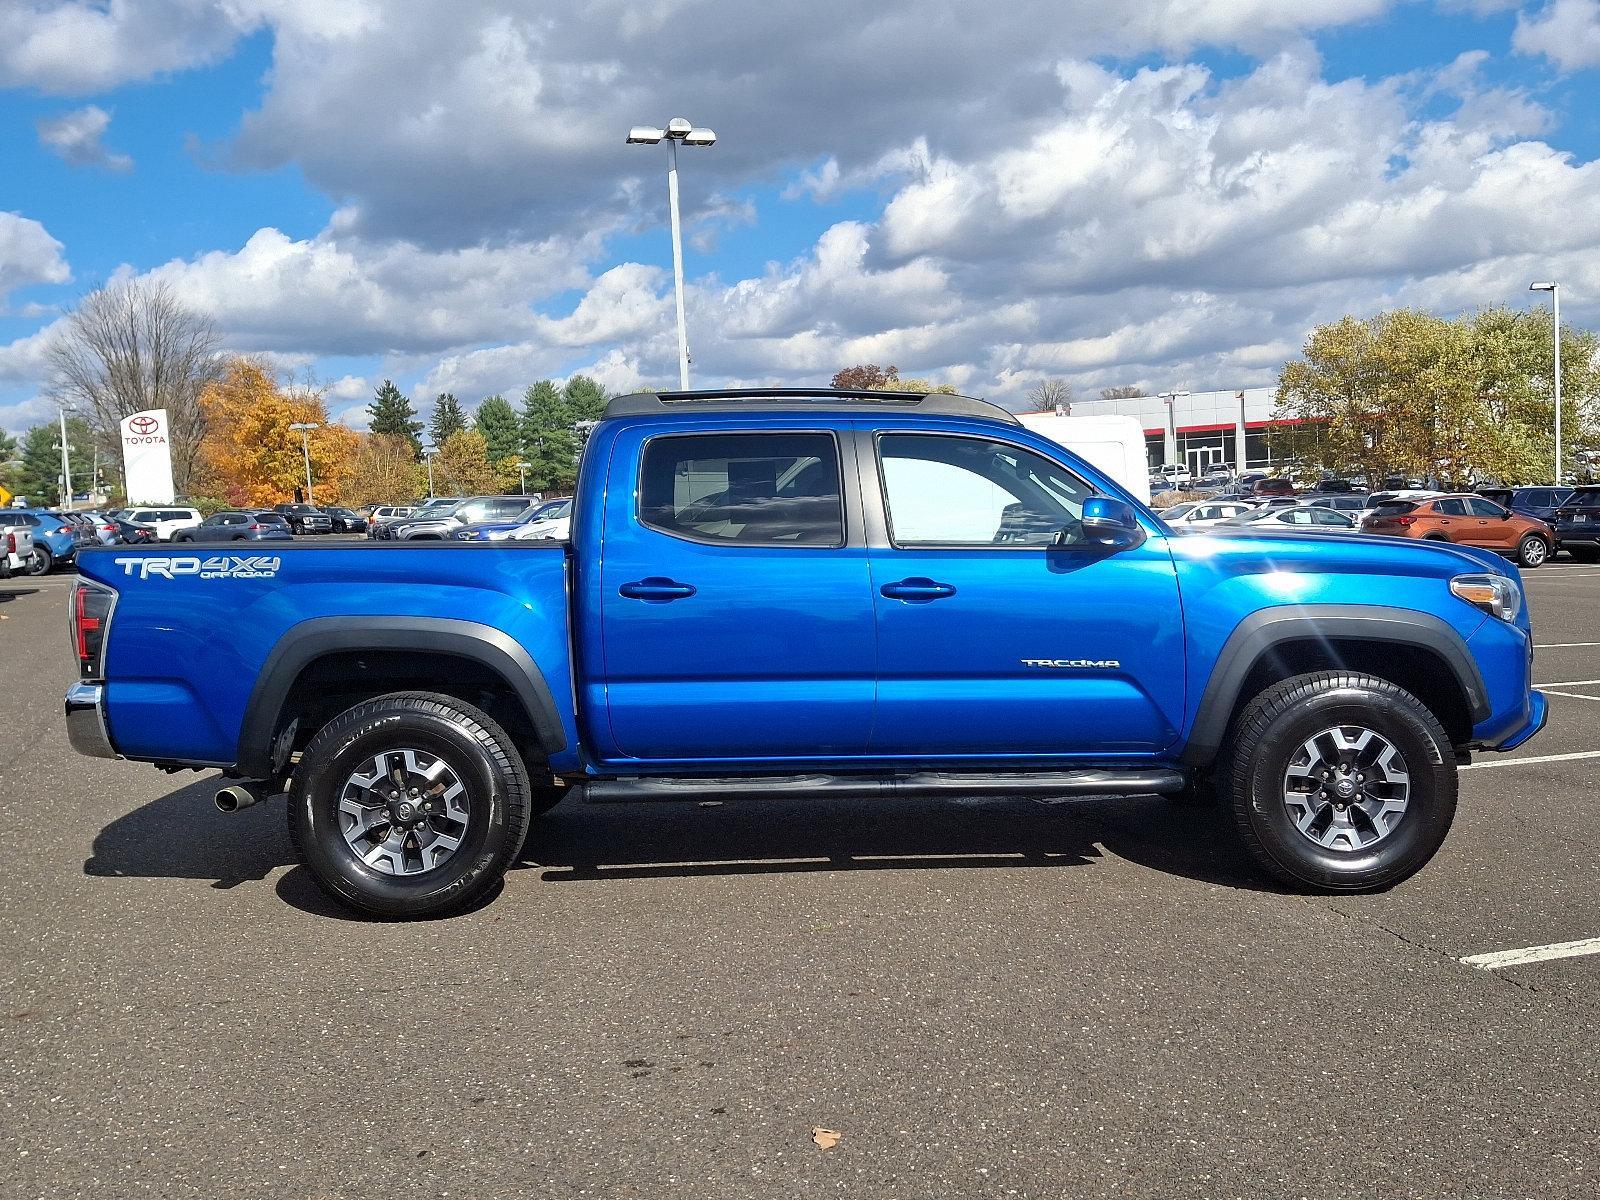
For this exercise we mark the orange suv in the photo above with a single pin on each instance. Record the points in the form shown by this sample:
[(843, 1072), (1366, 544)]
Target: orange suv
[(1469, 521)]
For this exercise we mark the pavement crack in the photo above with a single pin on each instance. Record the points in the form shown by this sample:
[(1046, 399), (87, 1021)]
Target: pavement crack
[(1424, 947)]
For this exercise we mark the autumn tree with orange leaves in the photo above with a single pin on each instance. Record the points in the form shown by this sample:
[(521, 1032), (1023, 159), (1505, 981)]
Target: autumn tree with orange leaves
[(251, 457)]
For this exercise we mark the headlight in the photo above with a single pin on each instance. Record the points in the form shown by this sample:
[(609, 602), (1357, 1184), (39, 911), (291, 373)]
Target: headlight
[(499, 535), (1495, 594)]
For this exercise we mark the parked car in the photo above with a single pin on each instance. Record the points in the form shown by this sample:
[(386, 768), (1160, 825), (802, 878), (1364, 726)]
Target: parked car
[(1200, 513), (237, 525), (16, 547), (56, 540), (1294, 516), (346, 520), (546, 511), (134, 535), (303, 518), (553, 524), (446, 522), (1577, 523), (1350, 504), (166, 521), (978, 612), (427, 510), (272, 517), (1378, 500), (1467, 520), (1170, 475), (381, 513), (1540, 503), (1273, 485), (102, 526)]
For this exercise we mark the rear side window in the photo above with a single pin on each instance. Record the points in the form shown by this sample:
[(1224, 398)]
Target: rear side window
[(1450, 508), (779, 489)]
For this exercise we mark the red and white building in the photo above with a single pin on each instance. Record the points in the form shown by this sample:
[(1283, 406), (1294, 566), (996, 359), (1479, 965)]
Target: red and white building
[(1205, 431)]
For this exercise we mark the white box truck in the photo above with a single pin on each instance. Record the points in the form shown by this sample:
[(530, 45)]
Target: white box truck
[(1115, 444)]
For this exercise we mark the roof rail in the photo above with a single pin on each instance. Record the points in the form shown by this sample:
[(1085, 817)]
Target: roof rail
[(733, 399)]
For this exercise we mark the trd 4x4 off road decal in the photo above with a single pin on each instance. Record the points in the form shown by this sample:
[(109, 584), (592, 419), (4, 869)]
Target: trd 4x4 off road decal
[(220, 566)]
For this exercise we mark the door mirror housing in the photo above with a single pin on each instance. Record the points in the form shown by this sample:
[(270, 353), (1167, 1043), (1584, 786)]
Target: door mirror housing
[(1111, 524)]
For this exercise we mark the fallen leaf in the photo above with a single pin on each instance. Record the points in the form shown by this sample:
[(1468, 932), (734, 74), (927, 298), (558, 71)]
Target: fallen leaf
[(826, 1138)]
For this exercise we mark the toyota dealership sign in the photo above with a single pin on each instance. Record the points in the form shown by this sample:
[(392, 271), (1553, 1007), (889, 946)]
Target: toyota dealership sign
[(147, 457)]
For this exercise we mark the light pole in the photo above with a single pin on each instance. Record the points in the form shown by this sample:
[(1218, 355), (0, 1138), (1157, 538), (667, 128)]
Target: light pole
[(677, 130), (66, 467), (304, 428), (1172, 426), (1555, 308), (427, 453), (522, 479)]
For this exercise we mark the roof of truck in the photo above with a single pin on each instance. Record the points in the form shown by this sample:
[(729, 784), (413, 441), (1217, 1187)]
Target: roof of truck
[(809, 399)]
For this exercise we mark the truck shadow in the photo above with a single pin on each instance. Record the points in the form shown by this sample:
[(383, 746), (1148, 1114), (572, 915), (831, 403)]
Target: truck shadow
[(183, 836)]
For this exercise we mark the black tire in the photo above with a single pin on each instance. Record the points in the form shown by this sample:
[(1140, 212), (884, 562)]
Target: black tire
[(42, 562), (474, 747), (1532, 552), (1270, 732), (1434, 537), (182, 537)]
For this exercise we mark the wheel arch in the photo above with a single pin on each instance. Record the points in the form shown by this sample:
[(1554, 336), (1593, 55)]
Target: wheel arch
[(481, 655), (1415, 650)]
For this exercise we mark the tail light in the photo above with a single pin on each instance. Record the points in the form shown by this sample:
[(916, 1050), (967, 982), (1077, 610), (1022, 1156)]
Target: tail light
[(1404, 520), (11, 542), (90, 617), (255, 529)]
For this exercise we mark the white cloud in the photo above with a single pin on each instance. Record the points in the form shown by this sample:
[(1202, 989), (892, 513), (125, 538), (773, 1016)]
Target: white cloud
[(28, 255), (70, 46), (78, 138), (1567, 32)]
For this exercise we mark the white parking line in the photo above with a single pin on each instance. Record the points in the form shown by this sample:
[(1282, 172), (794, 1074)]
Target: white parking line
[(1549, 691), (1561, 645), (1533, 954), (1568, 683), (1540, 758)]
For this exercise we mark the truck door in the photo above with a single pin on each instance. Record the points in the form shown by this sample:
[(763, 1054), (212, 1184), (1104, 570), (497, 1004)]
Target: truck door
[(992, 639), (736, 613)]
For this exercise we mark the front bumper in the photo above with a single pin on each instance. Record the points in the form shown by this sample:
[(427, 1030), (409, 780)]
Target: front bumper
[(86, 720)]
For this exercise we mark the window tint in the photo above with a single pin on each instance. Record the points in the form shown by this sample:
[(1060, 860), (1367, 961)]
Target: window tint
[(1326, 516), (1391, 508), (1450, 507), (1485, 508), (27, 519), (749, 488), (974, 492)]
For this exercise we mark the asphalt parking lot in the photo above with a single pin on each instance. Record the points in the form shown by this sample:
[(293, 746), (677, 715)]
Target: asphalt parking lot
[(996, 998)]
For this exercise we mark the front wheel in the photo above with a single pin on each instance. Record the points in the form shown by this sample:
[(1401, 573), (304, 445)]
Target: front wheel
[(1340, 782), (409, 805), (1532, 551), (42, 561)]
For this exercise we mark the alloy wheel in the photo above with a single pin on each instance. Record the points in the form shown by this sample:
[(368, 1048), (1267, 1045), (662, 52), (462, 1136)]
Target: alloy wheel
[(404, 811), (1346, 788)]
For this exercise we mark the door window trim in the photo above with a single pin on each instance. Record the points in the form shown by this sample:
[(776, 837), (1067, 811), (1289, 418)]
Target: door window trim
[(725, 543), (876, 465)]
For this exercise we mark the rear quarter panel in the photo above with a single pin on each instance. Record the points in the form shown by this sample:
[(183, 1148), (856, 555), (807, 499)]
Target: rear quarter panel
[(184, 651)]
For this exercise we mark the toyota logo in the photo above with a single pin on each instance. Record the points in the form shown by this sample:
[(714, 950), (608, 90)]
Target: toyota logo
[(144, 426)]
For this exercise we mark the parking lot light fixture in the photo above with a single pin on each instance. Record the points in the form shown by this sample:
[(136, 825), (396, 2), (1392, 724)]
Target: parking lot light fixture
[(1555, 315), (1172, 426), (522, 479), (427, 453), (304, 429), (677, 130)]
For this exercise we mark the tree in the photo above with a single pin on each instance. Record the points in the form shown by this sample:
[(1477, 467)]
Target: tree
[(1122, 392), (502, 435), (390, 412), (585, 399), (868, 377), (36, 474), (448, 418), (1048, 395), (462, 465), (548, 444), (252, 457), (383, 470), (129, 346)]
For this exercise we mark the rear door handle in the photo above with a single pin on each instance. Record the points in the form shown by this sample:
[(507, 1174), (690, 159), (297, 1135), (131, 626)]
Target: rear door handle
[(917, 590), (656, 588)]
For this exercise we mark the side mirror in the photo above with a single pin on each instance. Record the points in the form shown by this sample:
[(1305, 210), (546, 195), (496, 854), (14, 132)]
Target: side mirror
[(1111, 524)]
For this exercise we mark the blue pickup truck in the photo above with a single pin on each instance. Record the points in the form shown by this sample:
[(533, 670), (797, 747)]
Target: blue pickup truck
[(813, 594)]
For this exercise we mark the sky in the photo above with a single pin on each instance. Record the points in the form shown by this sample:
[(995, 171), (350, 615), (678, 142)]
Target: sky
[(1170, 194)]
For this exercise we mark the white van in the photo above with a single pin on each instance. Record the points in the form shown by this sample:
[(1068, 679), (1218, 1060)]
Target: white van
[(1114, 444), (165, 520)]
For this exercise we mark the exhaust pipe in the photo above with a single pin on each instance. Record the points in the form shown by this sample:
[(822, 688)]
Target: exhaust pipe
[(240, 795)]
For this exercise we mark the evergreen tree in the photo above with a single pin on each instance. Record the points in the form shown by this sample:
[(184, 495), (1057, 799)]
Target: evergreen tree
[(448, 417), (502, 434), (38, 473), (547, 440), (585, 398), (391, 412)]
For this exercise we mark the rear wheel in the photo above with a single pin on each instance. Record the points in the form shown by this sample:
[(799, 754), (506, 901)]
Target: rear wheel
[(42, 561), (1532, 551), (1340, 782), (1434, 537), (409, 805)]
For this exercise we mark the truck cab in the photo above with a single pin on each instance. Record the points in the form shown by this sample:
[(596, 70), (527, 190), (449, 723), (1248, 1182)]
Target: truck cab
[(821, 593)]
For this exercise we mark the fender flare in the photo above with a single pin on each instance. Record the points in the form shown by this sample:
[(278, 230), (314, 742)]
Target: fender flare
[(1258, 633), (310, 640)]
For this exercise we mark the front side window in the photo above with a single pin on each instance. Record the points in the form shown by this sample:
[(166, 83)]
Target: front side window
[(963, 491), (744, 488), (1486, 508)]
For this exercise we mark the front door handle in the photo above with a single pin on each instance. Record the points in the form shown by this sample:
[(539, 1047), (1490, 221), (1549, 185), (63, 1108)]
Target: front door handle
[(656, 588), (917, 590)]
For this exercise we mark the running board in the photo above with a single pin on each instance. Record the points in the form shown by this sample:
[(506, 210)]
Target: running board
[(1086, 781)]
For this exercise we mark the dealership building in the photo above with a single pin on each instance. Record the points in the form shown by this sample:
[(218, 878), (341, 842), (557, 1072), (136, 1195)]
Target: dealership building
[(1204, 430)]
